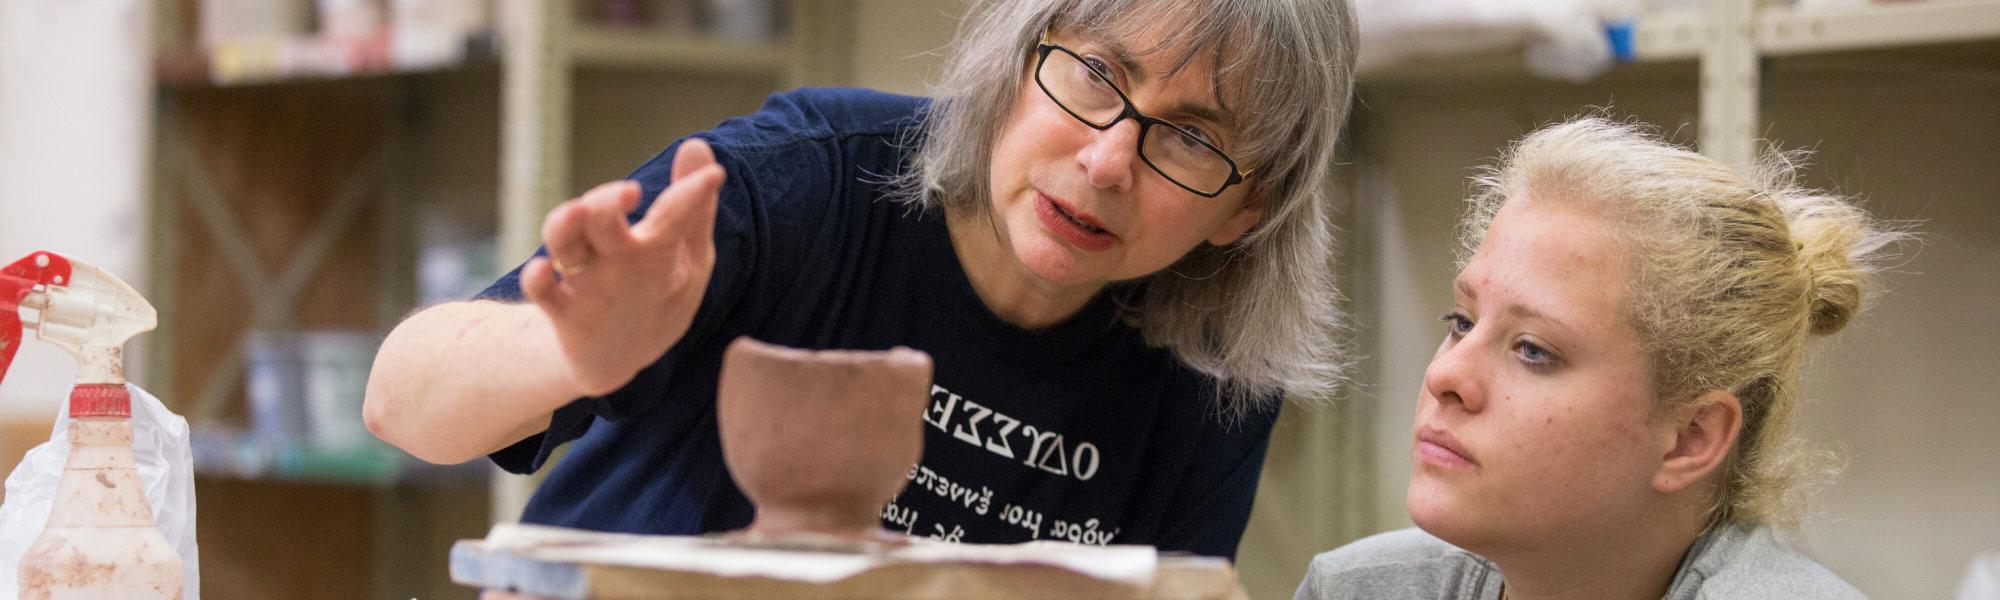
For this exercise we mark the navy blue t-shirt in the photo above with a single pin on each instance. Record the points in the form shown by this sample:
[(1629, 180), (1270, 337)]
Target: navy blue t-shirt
[(1080, 431)]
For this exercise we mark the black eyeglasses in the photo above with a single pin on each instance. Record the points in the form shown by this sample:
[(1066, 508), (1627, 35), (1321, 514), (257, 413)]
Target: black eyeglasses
[(1183, 155)]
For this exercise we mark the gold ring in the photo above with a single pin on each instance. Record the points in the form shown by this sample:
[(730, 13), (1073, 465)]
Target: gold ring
[(566, 272)]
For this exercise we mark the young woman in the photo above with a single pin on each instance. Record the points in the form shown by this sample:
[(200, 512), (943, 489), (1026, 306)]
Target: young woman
[(1105, 240), (1610, 414)]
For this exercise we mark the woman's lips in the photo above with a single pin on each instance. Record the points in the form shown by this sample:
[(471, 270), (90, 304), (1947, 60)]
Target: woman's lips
[(1437, 447), (1077, 229)]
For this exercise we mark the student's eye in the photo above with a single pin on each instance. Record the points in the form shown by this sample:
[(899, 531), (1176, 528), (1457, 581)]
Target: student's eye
[(1534, 355), (1457, 325)]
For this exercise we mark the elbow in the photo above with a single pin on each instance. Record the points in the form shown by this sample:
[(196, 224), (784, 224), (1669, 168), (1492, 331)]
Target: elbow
[(375, 415), (380, 418), (379, 405), (439, 456), (390, 406), (423, 447), (379, 414)]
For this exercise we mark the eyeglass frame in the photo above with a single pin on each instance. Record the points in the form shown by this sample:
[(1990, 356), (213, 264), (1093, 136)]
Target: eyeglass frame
[(1146, 122)]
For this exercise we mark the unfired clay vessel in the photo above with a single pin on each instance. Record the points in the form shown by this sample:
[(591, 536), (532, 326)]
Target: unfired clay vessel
[(819, 441)]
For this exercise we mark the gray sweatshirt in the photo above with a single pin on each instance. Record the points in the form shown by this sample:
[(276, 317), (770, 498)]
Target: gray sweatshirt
[(1732, 561)]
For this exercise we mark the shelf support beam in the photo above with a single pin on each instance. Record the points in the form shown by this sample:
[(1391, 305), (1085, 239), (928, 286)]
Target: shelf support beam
[(1729, 81), (534, 156)]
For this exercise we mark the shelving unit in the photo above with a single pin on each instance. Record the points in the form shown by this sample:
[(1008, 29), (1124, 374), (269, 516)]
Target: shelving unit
[(1786, 30), (289, 199), (242, 455), (603, 47), (1732, 37), (547, 57), (277, 207), (1722, 51), (549, 48), (545, 50)]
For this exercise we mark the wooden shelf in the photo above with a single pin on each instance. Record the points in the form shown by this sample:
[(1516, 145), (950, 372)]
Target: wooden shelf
[(597, 46), (1789, 30), (242, 456), (1673, 35), (1952, 37), (305, 59)]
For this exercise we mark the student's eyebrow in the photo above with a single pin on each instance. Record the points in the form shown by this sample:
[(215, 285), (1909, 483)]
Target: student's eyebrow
[(1525, 312), (1518, 310)]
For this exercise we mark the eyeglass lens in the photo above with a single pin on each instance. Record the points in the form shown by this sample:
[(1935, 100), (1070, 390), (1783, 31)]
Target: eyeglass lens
[(1090, 96)]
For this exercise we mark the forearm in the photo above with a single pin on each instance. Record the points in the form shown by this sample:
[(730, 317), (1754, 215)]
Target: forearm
[(458, 381)]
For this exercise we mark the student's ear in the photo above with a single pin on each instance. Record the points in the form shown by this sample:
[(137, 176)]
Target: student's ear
[(1704, 434), (1238, 224)]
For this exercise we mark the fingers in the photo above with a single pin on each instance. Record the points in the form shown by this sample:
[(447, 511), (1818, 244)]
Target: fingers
[(693, 154), (595, 225), (628, 197), (563, 233), (604, 223), (686, 209), (538, 283), (701, 217), (590, 226), (693, 162)]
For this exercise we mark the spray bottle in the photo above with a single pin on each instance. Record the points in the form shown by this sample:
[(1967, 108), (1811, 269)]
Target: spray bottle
[(100, 541)]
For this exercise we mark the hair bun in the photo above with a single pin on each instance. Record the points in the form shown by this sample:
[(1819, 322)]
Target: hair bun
[(1833, 306), (1830, 235)]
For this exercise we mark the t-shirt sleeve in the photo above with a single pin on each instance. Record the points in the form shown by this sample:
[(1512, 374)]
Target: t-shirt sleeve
[(736, 246), (1213, 506)]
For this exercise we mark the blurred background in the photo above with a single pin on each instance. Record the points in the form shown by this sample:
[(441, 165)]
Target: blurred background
[(285, 179)]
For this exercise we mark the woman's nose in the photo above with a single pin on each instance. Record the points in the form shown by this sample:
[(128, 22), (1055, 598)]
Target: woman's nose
[(1453, 376), (1111, 156)]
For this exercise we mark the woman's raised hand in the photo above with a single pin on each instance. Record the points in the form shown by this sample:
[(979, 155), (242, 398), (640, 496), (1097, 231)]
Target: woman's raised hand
[(620, 295)]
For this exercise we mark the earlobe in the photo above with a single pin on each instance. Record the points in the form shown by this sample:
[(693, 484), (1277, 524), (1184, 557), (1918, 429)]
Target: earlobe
[(1704, 436), (1237, 225)]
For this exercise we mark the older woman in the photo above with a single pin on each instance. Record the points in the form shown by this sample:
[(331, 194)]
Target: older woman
[(1105, 240), (1610, 414)]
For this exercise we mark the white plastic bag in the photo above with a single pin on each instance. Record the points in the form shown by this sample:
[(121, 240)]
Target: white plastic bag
[(1563, 39), (166, 467), (1982, 578)]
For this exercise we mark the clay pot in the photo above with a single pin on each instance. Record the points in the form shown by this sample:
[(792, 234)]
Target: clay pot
[(819, 441)]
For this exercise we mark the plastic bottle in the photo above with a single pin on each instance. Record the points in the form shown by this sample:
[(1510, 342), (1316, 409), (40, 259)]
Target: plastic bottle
[(101, 541)]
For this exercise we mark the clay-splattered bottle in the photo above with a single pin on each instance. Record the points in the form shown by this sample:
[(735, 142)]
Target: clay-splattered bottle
[(100, 541)]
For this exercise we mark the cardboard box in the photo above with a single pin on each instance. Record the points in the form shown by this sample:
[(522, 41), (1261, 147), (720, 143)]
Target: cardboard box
[(17, 437)]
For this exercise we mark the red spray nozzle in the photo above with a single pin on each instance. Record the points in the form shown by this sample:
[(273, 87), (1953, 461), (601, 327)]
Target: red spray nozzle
[(16, 282), (78, 307)]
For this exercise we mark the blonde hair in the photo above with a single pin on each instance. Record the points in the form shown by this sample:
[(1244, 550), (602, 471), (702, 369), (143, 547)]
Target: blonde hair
[(1732, 272), (1261, 316)]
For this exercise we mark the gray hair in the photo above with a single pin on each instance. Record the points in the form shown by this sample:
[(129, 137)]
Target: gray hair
[(1261, 315)]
